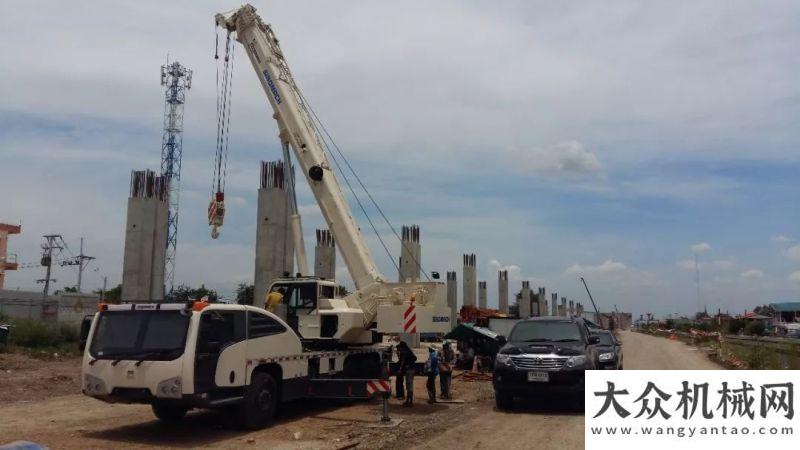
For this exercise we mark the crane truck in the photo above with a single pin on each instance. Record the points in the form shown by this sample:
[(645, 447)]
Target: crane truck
[(210, 355)]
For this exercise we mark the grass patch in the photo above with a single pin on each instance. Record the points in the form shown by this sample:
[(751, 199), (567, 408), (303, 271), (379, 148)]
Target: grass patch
[(38, 338)]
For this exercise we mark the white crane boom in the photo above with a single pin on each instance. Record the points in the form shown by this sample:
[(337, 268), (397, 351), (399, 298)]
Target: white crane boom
[(299, 131), (374, 298)]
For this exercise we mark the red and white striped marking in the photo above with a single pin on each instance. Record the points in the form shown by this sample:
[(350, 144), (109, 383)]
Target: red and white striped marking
[(212, 211), (378, 386), (410, 320)]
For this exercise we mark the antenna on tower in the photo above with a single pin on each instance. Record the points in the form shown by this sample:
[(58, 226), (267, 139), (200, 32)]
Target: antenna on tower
[(177, 80)]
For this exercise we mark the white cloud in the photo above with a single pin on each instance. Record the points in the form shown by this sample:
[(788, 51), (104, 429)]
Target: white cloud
[(752, 274), (793, 253), (718, 264), (781, 239), (795, 276), (702, 247), (607, 267)]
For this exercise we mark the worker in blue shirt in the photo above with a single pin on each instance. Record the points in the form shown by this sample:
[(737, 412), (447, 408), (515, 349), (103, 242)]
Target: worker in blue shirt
[(431, 370)]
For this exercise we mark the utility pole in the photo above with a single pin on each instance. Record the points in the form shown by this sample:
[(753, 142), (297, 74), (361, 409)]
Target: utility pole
[(103, 292), (83, 261), (52, 242)]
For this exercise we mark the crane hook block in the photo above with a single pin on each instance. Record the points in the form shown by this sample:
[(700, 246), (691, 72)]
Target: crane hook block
[(216, 213)]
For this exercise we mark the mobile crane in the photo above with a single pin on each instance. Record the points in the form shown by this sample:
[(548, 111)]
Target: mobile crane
[(351, 319), (181, 356)]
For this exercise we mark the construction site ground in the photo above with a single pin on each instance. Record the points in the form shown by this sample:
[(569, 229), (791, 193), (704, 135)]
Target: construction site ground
[(40, 402)]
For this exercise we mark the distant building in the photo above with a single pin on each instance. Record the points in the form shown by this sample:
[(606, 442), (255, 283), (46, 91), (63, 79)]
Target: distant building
[(786, 312), (7, 262)]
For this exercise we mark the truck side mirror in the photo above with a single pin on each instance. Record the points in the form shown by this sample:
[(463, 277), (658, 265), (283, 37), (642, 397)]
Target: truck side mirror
[(593, 340), (86, 325), (501, 340)]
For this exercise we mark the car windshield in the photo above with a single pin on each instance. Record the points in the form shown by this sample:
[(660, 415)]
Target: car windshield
[(541, 331), (605, 338), (152, 335)]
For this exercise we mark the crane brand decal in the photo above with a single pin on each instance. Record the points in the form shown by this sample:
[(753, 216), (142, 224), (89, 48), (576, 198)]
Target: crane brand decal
[(272, 87), (441, 319)]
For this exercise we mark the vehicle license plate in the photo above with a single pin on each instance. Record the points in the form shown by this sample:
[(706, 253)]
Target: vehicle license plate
[(539, 376)]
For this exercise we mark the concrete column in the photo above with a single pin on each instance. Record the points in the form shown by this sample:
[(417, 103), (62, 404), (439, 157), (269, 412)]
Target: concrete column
[(563, 308), (274, 243), (452, 297), (410, 254), (571, 308), (579, 310), (409, 268), (525, 300), (325, 255), (145, 238), (482, 301), (542, 302), (554, 304), (469, 294), (502, 291)]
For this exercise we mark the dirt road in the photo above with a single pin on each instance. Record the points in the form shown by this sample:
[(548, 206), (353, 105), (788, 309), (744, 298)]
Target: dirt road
[(77, 422), (643, 351)]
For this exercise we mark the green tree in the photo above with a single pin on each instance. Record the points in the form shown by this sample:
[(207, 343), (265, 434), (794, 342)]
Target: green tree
[(245, 294), (113, 295), (342, 291), (184, 293), (756, 328)]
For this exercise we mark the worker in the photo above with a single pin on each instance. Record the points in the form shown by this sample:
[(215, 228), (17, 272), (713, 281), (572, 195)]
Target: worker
[(407, 359), (400, 376), (274, 299), (446, 370), (431, 370)]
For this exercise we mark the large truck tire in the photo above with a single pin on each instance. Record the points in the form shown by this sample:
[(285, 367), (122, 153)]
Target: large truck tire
[(169, 413), (260, 402)]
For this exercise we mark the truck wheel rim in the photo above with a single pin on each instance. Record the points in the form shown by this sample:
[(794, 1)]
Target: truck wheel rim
[(264, 399)]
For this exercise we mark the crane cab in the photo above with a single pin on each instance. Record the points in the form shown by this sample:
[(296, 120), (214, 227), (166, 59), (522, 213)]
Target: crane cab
[(303, 298)]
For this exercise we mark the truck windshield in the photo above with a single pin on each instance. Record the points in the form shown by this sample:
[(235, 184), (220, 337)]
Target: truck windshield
[(146, 335), (541, 331)]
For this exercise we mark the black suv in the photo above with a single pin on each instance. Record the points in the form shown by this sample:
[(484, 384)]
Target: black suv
[(544, 354)]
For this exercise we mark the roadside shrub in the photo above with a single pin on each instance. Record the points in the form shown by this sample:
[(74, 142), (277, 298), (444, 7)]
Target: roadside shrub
[(756, 328), (33, 333), (761, 358), (734, 326)]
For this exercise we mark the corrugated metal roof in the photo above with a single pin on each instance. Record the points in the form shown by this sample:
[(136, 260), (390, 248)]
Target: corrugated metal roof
[(785, 306)]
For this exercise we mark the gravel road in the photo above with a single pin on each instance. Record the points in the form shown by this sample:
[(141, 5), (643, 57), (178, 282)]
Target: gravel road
[(643, 351)]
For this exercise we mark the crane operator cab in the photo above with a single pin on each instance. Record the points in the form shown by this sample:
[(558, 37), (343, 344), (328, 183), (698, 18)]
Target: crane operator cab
[(304, 297)]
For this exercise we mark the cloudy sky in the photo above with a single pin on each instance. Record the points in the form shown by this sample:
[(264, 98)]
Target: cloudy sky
[(610, 140)]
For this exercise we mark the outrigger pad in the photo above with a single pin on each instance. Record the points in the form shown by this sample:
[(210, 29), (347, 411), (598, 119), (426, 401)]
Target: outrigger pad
[(390, 424)]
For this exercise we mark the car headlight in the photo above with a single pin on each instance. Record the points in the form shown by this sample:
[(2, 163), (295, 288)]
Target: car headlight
[(503, 360), (606, 356), (170, 388), (576, 361), (93, 385)]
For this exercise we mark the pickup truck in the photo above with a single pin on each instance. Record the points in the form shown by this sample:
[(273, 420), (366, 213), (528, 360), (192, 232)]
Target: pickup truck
[(544, 354)]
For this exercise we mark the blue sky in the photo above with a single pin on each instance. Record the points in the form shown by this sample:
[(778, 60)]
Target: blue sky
[(604, 140)]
